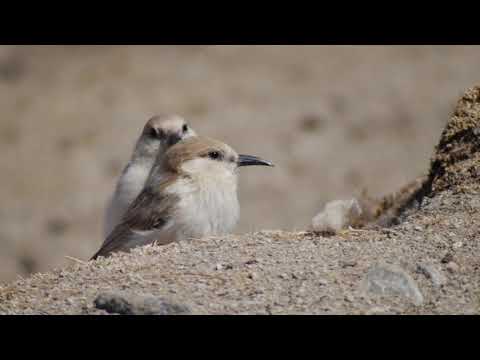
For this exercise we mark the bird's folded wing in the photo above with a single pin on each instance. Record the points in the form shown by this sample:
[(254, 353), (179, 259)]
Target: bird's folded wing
[(149, 212)]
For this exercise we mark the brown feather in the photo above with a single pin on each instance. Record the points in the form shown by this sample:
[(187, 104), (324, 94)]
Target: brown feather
[(150, 210)]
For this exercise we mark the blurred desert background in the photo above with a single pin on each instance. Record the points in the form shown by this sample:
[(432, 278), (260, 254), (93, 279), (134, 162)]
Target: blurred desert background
[(334, 119)]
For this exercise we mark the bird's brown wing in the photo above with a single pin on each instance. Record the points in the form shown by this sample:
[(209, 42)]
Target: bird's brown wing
[(150, 211)]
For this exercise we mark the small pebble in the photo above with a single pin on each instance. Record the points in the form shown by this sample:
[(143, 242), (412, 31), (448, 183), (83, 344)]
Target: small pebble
[(252, 275), (322, 282), (377, 311), (345, 264), (452, 267), (458, 244), (447, 258)]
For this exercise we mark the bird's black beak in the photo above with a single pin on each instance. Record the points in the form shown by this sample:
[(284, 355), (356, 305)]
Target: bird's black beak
[(173, 139), (248, 160)]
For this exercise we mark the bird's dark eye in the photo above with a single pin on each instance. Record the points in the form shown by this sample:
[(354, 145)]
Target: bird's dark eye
[(156, 133), (185, 128), (214, 155)]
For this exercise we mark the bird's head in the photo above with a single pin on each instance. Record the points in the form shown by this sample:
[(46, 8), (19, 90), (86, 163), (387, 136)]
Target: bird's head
[(209, 157), (163, 131)]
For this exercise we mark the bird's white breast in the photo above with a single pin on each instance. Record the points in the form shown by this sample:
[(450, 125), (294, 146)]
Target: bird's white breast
[(208, 205)]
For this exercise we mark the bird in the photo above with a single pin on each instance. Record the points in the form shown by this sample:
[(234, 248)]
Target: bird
[(159, 133), (190, 193)]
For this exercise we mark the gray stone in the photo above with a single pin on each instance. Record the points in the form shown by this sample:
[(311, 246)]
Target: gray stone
[(391, 280), (125, 304), (433, 273)]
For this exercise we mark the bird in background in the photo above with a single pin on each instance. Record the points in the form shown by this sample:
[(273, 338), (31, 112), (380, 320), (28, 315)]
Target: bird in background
[(191, 192), (159, 133)]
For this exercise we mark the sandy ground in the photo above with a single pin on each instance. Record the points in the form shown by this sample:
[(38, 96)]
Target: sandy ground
[(426, 264), (334, 120)]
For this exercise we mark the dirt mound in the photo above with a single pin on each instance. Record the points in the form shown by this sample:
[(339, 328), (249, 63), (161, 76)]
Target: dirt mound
[(456, 162), (424, 262), (454, 166)]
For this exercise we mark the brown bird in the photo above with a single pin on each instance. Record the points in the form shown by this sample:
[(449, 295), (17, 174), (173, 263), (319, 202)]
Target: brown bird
[(191, 192)]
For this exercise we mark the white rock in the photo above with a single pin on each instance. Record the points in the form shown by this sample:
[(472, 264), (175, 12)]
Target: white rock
[(337, 215)]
